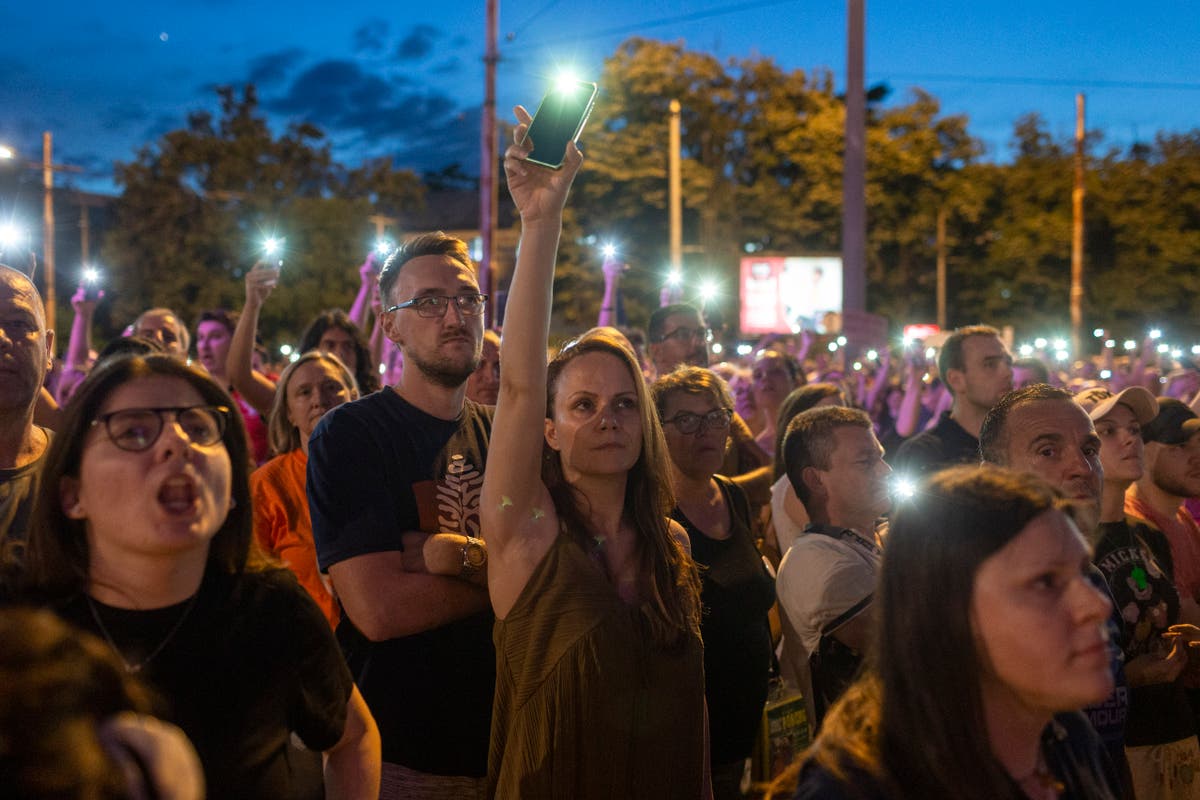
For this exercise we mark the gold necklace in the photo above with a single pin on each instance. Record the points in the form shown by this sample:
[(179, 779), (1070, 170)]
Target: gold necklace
[(133, 669)]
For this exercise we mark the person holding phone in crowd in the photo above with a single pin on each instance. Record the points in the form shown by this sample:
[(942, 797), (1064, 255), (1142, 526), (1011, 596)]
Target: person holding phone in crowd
[(600, 685)]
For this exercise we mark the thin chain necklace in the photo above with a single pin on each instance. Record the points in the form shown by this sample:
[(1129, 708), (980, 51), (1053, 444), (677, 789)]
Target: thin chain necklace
[(133, 669)]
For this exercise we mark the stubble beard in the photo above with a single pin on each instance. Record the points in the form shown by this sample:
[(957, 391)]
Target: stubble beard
[(444, 372)]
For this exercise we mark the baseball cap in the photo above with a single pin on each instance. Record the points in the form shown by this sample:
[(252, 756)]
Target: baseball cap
[(1099, 402), (1175, 423)]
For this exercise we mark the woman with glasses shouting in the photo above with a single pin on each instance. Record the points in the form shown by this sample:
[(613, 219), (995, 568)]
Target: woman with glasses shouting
[(599, 685), (142, 536), (737, 592)]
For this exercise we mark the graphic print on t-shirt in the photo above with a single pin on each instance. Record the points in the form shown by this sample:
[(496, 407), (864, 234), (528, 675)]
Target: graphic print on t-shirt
[(451, 504), (1144, 596)]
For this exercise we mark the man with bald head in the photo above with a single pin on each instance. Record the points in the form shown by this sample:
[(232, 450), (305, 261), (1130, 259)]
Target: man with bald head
[(26, 350)]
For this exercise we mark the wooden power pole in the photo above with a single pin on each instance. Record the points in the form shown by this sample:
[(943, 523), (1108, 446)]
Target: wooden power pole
[(1077, 234), (487, 162), (676, 191), (854, 201)]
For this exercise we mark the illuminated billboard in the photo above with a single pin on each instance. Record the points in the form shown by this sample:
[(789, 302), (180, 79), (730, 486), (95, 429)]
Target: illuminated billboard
[(789, 294)]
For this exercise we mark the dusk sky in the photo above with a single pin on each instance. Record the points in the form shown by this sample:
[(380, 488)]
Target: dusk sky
[(406, 79)]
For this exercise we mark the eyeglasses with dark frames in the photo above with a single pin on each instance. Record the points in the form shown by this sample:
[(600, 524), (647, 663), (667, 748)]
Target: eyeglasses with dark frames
[(688, 423), (137, 429), (433, 306)]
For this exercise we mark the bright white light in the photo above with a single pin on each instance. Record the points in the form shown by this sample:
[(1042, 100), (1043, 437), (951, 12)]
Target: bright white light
[(833, 347), (1162, 348), (872, 355), (904, 488), (857, 365), (1177, 353), (1105, 374), (1062, 355), (7, 152), (609, 250), (1040, 343), (294, 357), (708, 290), (930, 352), (285, 349), (907, 340), (271, 245), (1196, 349), (566, 81), (674, 279), (1098, 333), (1060, 344), (841, 340), (1025, 350), (383, 247), (716, 348), (745, 349), (11, 236), (1110, 343), (90, 274), (1155, 333), (1130, 344)]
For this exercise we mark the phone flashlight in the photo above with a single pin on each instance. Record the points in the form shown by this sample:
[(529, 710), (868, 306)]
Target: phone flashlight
[(272, 248), (383, 247), (1155, 333), (90, 280)]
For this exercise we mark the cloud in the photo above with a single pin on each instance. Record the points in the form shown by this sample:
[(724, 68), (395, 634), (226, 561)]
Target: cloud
[(418, 43), (369, 112), (122, 115), (271, 68), (371, 36), (450, 66)]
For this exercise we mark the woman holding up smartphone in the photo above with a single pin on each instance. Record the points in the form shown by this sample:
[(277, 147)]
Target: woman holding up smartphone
[(600, 685)]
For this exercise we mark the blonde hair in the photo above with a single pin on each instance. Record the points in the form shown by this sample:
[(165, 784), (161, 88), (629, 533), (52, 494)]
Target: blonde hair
[(282, 432)]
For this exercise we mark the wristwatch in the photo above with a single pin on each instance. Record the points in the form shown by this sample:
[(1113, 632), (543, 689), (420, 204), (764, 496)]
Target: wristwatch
[(474, 554)]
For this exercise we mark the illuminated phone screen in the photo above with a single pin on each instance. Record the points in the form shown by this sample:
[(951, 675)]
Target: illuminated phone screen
[(559, 119)]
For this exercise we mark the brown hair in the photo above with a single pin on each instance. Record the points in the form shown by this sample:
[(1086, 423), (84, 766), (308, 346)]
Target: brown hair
[(58, 557), (426, 244), (674, 607)]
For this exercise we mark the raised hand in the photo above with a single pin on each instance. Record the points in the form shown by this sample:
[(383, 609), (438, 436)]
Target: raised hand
[(260, 282), (539, 192)]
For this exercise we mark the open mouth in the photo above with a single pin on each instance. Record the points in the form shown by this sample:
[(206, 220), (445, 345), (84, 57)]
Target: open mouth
[(178, 495)]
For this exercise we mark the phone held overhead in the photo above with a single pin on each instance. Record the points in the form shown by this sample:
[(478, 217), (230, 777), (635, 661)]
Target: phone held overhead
[(559, 119)]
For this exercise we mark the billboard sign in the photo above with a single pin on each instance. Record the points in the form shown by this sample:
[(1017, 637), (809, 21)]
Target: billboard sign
[(787, 294)]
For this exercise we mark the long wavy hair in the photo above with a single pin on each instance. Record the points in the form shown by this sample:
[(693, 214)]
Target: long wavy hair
[(57, 557), (673, 610), (915, 720)]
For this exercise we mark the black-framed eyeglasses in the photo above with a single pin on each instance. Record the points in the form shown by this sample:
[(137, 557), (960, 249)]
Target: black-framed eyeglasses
[(434, 306), (688, 423), (137, 429), (686, 335)]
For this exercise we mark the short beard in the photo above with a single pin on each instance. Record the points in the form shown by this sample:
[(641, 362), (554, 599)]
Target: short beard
[(444, 372)]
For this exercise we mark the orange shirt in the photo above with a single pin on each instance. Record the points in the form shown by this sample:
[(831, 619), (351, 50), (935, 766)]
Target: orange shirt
[(283, 526)]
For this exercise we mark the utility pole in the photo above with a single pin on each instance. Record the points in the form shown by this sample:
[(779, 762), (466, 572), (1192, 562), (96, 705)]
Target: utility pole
[(48, 226), (381, 221), (854, 201), (941, 268), (1077, 234), (676, 191), (487, 160)]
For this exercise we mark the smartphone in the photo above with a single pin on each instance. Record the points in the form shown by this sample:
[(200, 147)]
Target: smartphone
[(90, 281), (272, 251), (559, 119)]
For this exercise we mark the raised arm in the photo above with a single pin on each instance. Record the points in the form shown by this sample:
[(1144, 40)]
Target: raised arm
[(79, 346), (258, 390), (517, 517), (368, 275)]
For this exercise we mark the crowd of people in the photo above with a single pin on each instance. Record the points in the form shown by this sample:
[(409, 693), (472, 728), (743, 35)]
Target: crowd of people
[(497, 574)]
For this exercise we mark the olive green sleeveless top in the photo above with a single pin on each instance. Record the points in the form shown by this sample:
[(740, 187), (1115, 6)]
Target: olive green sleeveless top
[(587, 706)]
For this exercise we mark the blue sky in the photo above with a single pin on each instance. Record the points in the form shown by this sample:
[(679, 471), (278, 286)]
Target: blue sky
[(405, 79)]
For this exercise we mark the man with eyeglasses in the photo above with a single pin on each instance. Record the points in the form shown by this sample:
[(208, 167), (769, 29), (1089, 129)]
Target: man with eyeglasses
[(393, 485), (26, 349), (827, 577)]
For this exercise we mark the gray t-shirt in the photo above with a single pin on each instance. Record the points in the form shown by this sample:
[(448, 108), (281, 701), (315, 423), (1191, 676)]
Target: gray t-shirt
[(18, 490)]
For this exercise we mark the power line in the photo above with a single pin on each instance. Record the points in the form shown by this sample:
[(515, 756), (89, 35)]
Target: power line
[(1029, 81), (662, 21)]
